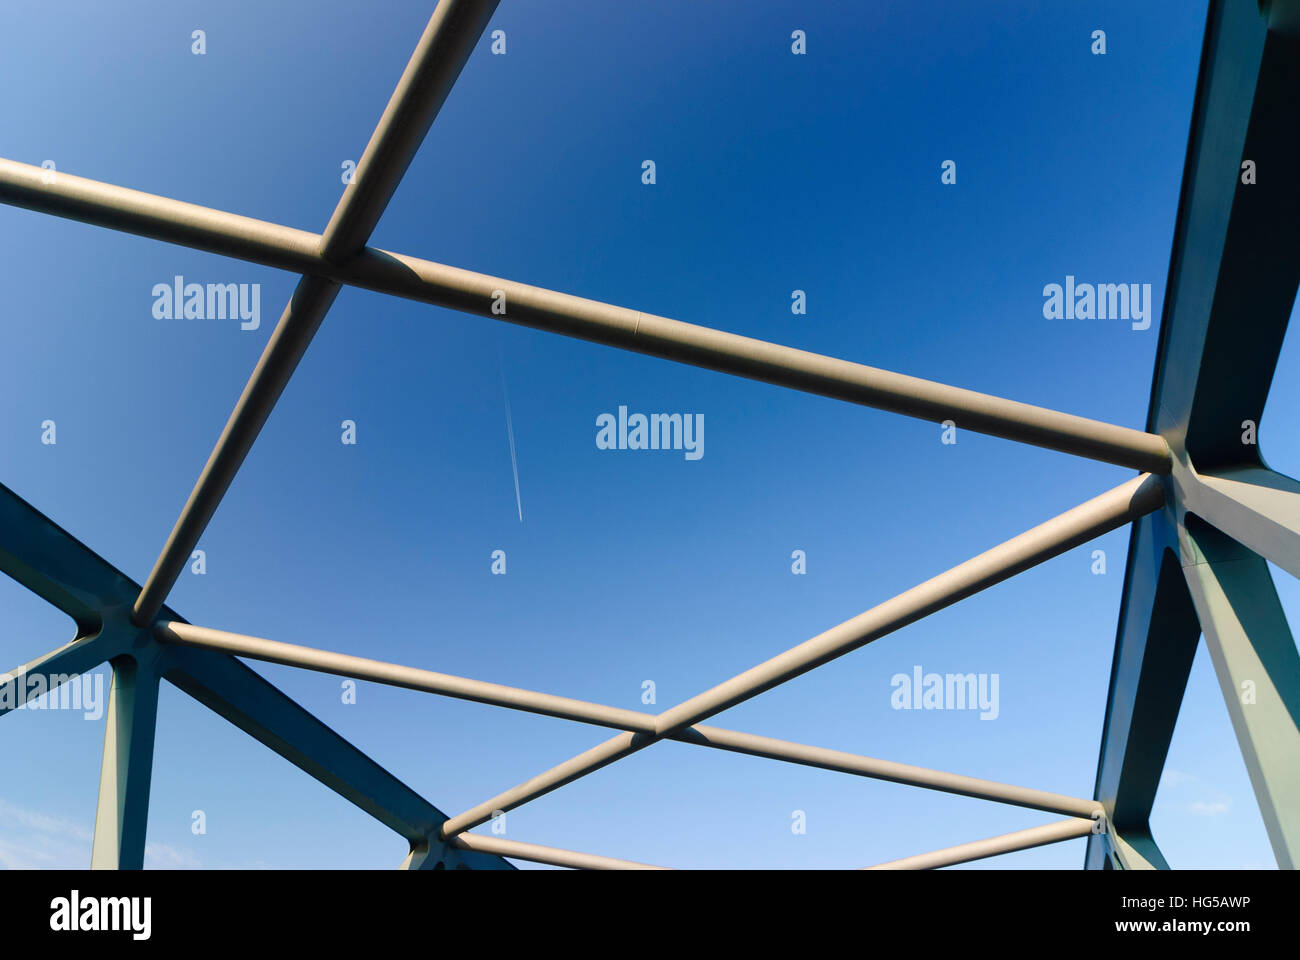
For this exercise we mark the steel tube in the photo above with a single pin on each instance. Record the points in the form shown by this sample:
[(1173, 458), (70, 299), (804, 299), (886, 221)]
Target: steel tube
[(307, 307), (159, 218), (993, 846), (1123, 504), (601, 755), (442, 51), (410, 678), (539, 854), (444, 47), (876, 769), (470, 292)]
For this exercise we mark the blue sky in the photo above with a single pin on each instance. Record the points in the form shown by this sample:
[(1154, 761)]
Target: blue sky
[(774, 172)]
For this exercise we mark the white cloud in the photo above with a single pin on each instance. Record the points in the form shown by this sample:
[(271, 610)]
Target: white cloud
[(36, 841), (163, 856), (30, 840)]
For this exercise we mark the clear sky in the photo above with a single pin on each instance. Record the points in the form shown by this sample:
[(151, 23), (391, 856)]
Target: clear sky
[(775, 172)]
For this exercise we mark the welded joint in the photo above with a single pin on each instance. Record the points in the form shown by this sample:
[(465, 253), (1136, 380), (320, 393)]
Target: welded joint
[(433, 854)]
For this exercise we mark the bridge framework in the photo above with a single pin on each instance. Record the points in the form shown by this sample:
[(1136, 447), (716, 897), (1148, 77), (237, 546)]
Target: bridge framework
[(1205, 511)]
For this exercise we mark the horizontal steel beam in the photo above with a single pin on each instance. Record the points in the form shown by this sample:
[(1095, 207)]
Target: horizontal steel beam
[(545, 704), (1112, 509), (993, 846), (446, 44), (248, 239), (539, 854)]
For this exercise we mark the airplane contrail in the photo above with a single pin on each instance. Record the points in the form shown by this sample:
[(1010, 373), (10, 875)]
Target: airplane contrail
[(510, 430)]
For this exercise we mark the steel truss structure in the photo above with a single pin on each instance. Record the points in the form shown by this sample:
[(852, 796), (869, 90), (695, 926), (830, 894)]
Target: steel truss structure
[(1206, 512)]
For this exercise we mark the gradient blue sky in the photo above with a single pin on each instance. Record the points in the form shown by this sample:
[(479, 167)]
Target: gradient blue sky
[(775, 172)]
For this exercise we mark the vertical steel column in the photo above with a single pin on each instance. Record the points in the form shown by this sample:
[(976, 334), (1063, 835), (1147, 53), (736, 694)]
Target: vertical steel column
[(122, 817)]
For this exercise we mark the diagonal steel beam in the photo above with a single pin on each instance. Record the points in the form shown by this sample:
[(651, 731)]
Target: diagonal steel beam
[(307, 307), (57, 567), (56, 668), (44, 557), (205, 229), (993, 846), (1112, 509), (1104, 513), (545, 704), (49, 561), (1258, 667), (1156, 643), (233, 691), (445, 46), (1129, 850), (448, 40)]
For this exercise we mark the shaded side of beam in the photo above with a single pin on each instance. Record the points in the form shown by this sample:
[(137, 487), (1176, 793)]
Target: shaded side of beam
[(1130, 850), (1155, 644), (470, 292)]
